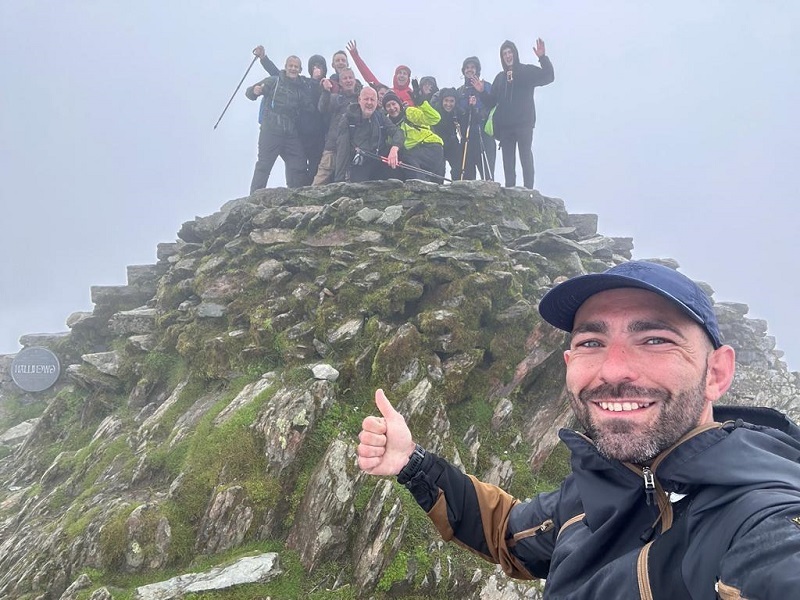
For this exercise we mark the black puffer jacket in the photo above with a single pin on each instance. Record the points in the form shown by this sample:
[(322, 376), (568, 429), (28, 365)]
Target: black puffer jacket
[(514, 98)]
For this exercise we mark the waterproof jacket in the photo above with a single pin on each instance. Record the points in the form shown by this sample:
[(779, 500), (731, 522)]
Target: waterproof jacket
[(720, 517), (269, 66), (285, 99), (312, 124), (404, 91), (416, 122), (514, 99), (376, 134), (480, 112), (333, 106), (447, 128)]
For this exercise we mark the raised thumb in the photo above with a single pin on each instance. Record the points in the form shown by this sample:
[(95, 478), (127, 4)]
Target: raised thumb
[(384, 406)]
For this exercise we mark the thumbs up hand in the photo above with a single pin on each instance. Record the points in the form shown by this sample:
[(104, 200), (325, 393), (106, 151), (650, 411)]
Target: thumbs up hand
[(385, 442)]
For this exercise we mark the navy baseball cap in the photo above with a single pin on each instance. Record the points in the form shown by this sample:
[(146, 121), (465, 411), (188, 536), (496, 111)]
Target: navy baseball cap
[(559, 305)]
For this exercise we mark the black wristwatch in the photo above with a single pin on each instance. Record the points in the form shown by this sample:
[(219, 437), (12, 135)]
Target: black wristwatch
[(412, 466)]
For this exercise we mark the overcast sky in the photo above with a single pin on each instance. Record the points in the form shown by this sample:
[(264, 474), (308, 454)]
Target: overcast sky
[(675, 122)]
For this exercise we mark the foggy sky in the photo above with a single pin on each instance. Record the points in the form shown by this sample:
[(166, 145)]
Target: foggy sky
[(675, 122)]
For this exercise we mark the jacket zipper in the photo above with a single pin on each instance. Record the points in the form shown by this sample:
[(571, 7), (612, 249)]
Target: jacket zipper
[(649, 485), (532, 532)]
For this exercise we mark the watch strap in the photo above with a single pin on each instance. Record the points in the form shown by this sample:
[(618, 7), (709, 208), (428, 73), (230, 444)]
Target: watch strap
[(412, 466)]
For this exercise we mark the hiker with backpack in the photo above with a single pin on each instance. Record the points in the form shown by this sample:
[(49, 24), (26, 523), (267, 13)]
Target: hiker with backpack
[(311, 123), (474, 107), (286, 97), (333, 106), (363, 127), (670, 495)]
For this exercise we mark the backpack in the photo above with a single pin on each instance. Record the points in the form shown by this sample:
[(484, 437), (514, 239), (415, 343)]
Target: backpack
[(489, 127)]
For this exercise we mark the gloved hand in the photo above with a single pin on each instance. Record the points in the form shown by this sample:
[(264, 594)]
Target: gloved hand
[(416, 96)]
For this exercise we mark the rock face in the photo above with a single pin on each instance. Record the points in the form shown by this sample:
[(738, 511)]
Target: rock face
[(251, 569), (210, 406)]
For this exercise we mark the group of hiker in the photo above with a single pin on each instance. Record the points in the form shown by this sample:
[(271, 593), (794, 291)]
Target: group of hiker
[(335, 128)]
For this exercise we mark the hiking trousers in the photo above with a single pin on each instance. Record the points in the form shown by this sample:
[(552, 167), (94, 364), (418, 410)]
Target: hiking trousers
[(271, 145), (510, 139)]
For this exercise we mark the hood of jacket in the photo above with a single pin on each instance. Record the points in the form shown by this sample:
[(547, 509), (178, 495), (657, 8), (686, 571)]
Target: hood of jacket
[(395, 85), (476, 61), (429, 79), (447, 92), (316, 59), (513, 46)]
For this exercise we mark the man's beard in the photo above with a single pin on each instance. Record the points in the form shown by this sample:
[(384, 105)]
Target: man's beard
[(618, 439)]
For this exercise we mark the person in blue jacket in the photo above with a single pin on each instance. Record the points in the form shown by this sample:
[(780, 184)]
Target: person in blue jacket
[(474, 104), (670, 495)]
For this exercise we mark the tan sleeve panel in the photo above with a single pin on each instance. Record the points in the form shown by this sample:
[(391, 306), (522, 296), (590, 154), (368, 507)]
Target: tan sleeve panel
[(496, 507), (438, 514), (728, 592)]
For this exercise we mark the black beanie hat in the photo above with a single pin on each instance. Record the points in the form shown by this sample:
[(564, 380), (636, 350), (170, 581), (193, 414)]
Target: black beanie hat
[(447, 93), (472, 59), (317, 60), (390, 95)]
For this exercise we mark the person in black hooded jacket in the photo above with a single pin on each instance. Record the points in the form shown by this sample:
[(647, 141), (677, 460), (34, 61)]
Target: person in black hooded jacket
[(515, 112), (449, 130), (312, 124)]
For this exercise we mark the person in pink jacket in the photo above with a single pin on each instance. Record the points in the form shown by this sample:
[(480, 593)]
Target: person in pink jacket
[(401, 82)]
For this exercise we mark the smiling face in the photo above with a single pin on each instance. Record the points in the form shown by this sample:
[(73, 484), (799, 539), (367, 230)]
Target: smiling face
[(339, 61), (448, 103), (507, 55), (470, 70), (641, 374), (368, 101), (392, 108), (347, 80), (402, 76), (293, 67)]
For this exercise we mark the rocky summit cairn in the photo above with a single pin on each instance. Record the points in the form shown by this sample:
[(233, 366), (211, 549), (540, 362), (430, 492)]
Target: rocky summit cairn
[(202, 434)]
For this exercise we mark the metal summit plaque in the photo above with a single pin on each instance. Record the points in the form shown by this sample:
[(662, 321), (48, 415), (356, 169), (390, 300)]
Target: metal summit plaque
[(35, 369)]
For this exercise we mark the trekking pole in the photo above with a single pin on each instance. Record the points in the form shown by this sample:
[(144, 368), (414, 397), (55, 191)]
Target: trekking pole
[(414, 169), (487, 172), (466, 144), (402, 165), (252, 62)]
